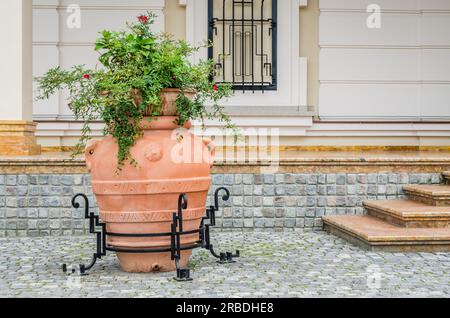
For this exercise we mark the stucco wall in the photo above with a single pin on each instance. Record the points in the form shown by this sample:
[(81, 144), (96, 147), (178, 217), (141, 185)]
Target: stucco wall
[(309, 47), (58, 40), (175, 19), (396, 80), (15, 67), (398, 69)]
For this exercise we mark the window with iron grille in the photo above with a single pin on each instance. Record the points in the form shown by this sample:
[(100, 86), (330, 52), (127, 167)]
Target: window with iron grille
[(244, 43)]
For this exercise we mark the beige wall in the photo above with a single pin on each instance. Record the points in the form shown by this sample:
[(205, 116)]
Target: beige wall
[(175, 19), (309, 48), (320, 134), (16, 60), (397, 70)]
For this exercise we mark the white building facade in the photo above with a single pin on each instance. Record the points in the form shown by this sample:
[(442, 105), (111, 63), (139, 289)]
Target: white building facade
[(350, 72)]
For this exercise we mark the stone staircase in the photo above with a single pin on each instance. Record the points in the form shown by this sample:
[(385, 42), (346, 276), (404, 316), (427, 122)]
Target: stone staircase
[(420, 224), (434, 195)]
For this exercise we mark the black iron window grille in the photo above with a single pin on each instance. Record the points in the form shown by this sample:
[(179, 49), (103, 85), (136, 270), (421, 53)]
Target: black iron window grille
[(243, 34)]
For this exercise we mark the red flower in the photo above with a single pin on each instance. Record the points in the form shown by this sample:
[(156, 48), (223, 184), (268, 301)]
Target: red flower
[(86, 76), (143, 19), (216, 87)]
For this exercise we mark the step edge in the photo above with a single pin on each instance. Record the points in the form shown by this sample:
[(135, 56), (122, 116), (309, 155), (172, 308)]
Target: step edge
[(410, 216), (414, 190), (380, 239)]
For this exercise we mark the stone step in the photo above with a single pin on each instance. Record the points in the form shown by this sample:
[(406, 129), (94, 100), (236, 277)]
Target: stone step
[(409, 213), (438, 195), (377, 235)]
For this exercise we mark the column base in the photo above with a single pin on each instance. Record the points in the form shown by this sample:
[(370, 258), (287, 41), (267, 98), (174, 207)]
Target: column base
[(17, 138)]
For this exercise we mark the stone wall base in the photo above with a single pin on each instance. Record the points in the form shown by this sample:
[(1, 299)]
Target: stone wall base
[(40, 204)]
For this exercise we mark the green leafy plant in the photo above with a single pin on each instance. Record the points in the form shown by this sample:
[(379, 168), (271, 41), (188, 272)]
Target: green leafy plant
[(135, 66)]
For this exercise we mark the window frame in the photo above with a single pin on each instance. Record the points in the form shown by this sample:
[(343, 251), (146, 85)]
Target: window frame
[(257, 86)]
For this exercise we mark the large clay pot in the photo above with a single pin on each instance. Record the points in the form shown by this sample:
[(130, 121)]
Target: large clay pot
[(142, 199)]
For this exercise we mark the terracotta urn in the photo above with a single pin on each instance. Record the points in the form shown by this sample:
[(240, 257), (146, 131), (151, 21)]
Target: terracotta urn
[(168, 101), (142, 198)]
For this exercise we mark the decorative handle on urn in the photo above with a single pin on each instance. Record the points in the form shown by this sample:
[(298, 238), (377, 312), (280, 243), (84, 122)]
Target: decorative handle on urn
[(212, 150), (89, 152)]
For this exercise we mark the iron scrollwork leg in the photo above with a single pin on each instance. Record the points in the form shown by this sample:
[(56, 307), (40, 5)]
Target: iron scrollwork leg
[(226, 257), (183, 274), (94, 223)]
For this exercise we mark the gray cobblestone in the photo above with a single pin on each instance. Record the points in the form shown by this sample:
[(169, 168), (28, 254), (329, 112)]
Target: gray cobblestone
[(330, 268), (414, 179), (248, 223), (11, 180), (269, 223), (22, 180), (33, 179), (436, 178), (372, 178), (248, 212), (258, 179), (312, 179), (43, 179), (301, 179), (228, 179), (289, 178), (382, 179), (331, 178), (351, 178), (66, 180), (269, 179), (321, 179), (341, 179), (247, 179), (259, 223)]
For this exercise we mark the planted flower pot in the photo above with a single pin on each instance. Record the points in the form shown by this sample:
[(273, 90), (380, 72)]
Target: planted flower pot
[(168, 98), (142, 199), (140, 169), (168, 101)]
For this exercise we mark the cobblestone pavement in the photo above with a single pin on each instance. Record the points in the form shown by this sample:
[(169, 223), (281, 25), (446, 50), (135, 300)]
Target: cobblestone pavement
[(273, 264)]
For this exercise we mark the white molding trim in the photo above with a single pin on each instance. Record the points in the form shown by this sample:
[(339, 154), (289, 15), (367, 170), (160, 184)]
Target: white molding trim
[(100, 5), (287, 125), (379, 130), (378, 119), (96, 8)]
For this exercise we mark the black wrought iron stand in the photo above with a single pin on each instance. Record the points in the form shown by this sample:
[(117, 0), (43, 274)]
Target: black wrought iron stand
[(183, 274)]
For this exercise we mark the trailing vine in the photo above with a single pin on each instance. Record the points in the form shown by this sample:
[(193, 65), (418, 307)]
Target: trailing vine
[(135, 65)]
